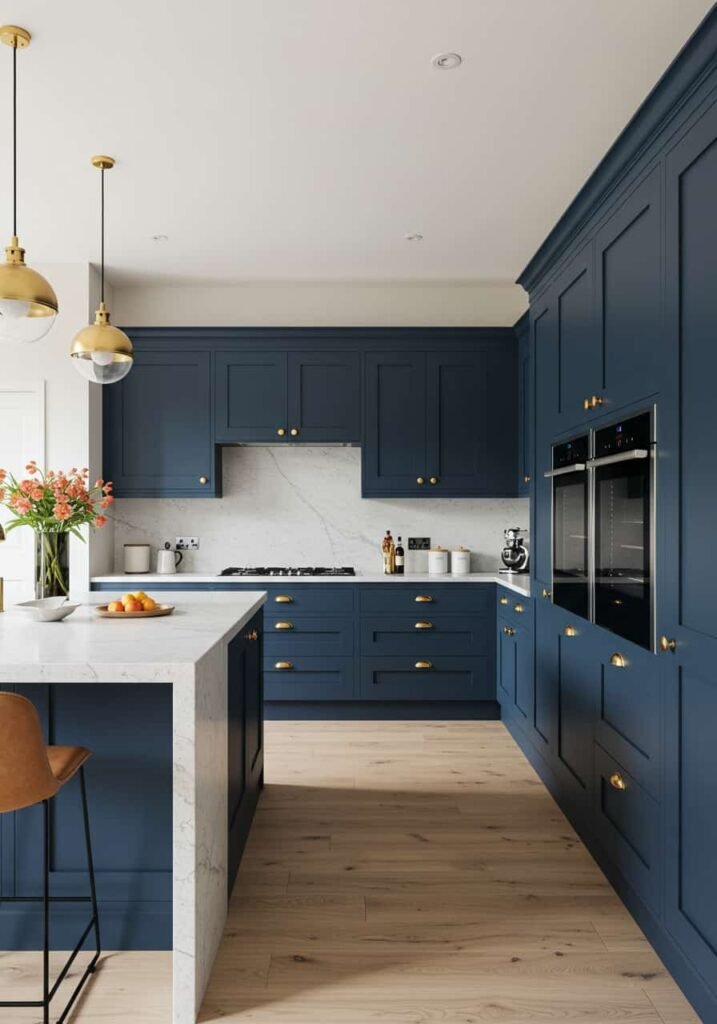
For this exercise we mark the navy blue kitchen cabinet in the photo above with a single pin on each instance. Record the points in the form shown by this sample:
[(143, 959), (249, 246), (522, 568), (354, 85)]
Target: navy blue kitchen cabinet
[(277, 396), (525, 406), (420, 678), (441, 423), (515, 677), (158, 432), (579, 357)]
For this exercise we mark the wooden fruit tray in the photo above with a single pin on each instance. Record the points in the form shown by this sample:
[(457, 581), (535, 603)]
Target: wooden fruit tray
[(162, 609)]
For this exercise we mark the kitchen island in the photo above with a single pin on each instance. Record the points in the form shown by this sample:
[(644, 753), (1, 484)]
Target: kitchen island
[(176, 698)]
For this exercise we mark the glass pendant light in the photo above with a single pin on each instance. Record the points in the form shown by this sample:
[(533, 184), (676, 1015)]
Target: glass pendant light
[(102, 353), (28, 305)]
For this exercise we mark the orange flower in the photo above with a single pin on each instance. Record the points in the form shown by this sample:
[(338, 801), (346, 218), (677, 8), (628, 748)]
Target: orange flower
[(108, 487), (20, 504), (3, 474), (106, 502), (62, 511), (31, 467), (2, 495), (100, 521)]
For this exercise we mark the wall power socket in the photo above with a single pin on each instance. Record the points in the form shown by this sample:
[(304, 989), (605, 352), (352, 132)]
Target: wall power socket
[(187, 543)]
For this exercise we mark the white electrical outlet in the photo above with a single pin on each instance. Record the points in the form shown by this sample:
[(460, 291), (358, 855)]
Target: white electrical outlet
[(187, 543)]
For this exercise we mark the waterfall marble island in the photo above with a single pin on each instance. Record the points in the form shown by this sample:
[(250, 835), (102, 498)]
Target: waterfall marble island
[(172, 709)]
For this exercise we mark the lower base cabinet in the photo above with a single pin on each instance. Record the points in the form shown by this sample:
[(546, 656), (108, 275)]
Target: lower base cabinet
[(438, 678), (308, 678)]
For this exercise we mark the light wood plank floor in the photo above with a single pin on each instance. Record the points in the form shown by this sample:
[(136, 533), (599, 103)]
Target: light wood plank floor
[(406, 873)]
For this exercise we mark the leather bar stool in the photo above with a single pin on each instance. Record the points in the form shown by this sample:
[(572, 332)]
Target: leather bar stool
[(32, 773)]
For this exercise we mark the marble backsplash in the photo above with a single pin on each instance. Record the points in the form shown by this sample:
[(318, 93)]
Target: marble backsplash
[(296, 505)]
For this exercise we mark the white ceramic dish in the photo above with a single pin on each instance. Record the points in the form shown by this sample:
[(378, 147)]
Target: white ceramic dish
[(48, 609)]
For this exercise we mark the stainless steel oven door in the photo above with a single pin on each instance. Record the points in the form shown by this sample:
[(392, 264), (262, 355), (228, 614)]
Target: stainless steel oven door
[(571, 566)]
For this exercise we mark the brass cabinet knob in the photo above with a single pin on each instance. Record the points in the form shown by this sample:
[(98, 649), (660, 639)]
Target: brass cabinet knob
[(518, 608), (594, 402), (424, 664), (503, 599), (284, 599), (526, 478), (668, 644), (420, 480), (570, 631), (294, 432), (203, 480), (423, 598), (252, 635), (281, 432), (283, 625), (424, 625), (433, 480), (508, 630), (618, 660), (547, 593), (284, 666), (617, 781)]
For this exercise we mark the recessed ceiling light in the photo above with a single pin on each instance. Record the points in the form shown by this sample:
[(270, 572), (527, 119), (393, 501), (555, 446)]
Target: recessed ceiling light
[(160, 238), (415, 236), (447, 61)]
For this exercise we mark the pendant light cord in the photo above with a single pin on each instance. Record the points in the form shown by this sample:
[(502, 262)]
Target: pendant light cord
[(14, 140), (102, 233)]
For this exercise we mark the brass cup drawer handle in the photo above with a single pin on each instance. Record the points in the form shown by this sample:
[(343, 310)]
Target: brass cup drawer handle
[(284, 666), (570, 631), (281, 432), (284, 599), (547, 593), (294, 432), (618, 660), (423, 598), (526, 478), (668, 644), (594, 402), (424, 664), (518, 608), (508, 630), (433, 480), (252, 635), (283, 625), (424, 625), (420, 480), (617, 781), (504, 599)]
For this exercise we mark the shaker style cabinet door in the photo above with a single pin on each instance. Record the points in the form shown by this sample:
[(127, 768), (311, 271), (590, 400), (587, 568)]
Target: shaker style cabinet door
[(579, 366), (525, 408), (394, 448), (324, 397), (251, 397), (158, 430)]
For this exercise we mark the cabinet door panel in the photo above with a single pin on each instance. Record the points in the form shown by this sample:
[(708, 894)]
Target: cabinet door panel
[(424, 634), (250, 396), (157, 427), (544, 343), (507, 665), (324, 396), (629, 281), (544, 726), (448, 678), (579, 355), (309, 678), (471, 413), (577, 690), (312, 635), (525, 408), (394, 450)]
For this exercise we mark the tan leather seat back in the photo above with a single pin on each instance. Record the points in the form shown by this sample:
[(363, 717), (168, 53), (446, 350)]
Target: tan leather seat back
[(25, 776)]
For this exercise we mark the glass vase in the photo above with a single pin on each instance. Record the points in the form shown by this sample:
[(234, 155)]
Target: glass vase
[(52, 564)]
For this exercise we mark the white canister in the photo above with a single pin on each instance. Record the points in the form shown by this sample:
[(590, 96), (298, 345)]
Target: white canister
[(460, 562), (137, 557), (438, 561)]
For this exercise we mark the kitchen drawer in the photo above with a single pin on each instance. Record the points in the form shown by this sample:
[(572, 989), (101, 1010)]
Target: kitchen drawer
[(513, 607), (423, 634), (442, 597), (314, 635), (446, 678), (627, 825), (289, 599), (629, 712), (308, 678)]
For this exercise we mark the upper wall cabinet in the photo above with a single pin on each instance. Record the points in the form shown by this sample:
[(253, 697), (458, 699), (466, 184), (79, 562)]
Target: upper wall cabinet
[(158, 427), (525, 407), (270, 396), (441, 423)]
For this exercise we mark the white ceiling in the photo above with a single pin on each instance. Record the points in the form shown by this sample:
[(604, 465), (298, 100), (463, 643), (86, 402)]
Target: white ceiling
[(303, 139)]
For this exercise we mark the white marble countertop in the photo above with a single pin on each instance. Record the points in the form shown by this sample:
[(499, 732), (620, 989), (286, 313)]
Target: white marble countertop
[(85, 647), (518, 583)]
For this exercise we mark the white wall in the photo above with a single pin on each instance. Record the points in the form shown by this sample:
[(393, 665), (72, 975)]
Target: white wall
[(302, 505), (316, 305)]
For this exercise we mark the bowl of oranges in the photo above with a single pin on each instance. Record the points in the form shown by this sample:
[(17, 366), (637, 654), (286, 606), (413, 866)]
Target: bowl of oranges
[(137, 605)]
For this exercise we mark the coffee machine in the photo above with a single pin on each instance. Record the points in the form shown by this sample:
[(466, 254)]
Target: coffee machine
[(514, 554)]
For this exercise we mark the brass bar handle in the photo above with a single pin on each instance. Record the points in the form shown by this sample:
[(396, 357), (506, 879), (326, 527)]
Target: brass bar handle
[(433, 480), (281, 432), (668, 644), (284, 599), (420, 480), (284, 666), (618, 660), (570, 631), (617, 781), (503, 599), (283, 625), (423, 599), (424, 625), (547, 593), (294, 432), (508, 630), (518, 608), (203, 481), (251, 635), (424, 664)]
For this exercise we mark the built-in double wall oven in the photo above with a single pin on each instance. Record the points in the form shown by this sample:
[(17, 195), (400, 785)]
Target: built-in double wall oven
[(603, 527)]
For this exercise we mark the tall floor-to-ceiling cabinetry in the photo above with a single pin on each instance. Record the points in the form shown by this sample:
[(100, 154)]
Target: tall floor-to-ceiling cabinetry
[(623, 318)]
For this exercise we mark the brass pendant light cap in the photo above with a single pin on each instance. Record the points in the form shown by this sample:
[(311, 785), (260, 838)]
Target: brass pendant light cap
[(102, 163), (14, 253), (13, 35), (21, 283)]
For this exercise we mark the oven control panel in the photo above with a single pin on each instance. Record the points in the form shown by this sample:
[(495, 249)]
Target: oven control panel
[(625, 436)]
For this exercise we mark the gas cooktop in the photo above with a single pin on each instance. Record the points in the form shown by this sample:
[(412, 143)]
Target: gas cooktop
[(298, 570)]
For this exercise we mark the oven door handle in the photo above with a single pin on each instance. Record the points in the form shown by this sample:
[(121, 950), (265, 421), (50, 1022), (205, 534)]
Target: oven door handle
[(579, 467), (608, 460)]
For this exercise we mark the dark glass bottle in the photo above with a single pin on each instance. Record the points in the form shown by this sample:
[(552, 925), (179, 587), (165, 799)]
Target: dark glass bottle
[(400, 558)]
